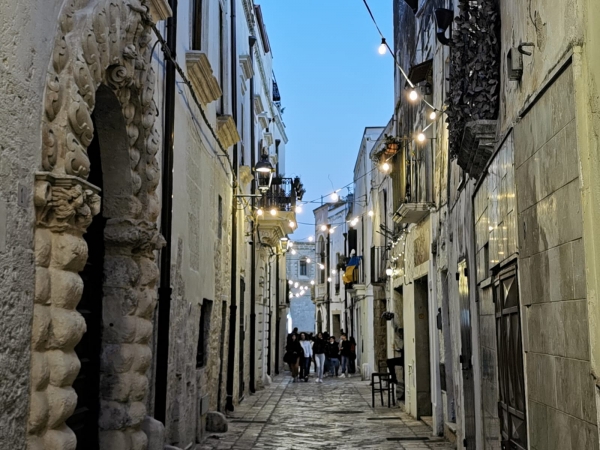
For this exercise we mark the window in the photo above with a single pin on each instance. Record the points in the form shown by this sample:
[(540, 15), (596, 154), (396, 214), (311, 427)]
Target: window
[(303, 268), (220, 218), (203, 333), (197, 25)]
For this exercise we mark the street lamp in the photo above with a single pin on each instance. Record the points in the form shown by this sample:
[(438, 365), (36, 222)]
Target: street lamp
[(264, 171)]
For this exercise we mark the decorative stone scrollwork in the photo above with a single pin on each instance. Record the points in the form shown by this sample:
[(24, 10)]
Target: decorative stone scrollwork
[(105, 42), (65, 203)]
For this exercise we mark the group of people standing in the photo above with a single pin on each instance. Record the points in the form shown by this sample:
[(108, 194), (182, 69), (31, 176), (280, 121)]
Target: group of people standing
[(324, 351)]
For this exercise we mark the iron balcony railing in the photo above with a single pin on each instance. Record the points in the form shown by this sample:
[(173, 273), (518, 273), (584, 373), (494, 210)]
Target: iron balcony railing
[(283, 194), (378, 264)]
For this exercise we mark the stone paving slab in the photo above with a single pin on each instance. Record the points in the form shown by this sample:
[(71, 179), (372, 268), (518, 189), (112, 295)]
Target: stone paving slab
[(332, 415)]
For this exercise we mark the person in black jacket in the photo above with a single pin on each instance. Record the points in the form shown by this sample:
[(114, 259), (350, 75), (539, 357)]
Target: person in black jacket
[(345, 350), (319, 352), (333, 353), (292, 356)]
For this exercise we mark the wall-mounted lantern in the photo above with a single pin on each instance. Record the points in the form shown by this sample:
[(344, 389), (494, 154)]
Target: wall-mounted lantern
[(264, 171)]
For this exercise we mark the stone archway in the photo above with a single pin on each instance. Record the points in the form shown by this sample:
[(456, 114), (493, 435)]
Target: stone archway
[(102, 45)]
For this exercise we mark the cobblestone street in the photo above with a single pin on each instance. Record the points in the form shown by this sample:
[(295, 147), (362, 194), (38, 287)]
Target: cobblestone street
[(335, 414)]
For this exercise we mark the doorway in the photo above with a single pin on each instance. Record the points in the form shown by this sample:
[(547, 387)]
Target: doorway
[(422, 351), (337, 324), (84, 421), (511, 379)]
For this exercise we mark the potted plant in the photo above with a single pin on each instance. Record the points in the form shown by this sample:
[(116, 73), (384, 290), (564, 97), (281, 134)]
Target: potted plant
[(392, 144)]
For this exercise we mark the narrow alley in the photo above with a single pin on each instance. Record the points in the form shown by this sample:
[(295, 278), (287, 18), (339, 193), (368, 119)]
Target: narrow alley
[(335, 414)]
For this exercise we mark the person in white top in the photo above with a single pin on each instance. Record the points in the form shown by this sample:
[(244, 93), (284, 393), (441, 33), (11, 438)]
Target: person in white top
[(306, 357)]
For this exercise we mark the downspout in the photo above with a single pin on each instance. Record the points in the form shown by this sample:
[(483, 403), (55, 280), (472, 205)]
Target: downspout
[(269, 319), (277, 293), (234, 226), (251, 42), (346, 321), (166, 216), (328, 282)]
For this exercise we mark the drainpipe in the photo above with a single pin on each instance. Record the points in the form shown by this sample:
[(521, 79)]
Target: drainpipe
[(277, 292), (328, 274), (234, 226), (251, 42), (269, 319), (164, 290)]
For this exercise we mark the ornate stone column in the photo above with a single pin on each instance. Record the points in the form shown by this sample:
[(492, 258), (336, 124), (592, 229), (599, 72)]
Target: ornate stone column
[(65, 206), (129, 302)]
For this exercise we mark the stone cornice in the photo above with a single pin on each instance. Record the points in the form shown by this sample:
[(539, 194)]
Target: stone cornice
[(227, 130), (206, 86), (246, 65), (159, 10)]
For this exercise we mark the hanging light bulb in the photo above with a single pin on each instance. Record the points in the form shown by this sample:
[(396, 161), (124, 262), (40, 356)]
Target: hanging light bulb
[(290, 244), (413, 96), (433, 115), (333, 271), (321, 266), (296, 284), (259, 212), (310, 239), (354, 221), (421, 137), (297, 295), (385, 167), (383, 47), (298, 209), (312, 282), (335, 197), (292, 224), (329, 279), (273, 212), (308, 260), (371, 213), (323, 227), (293, 252), (331, 230), (291, 282), (389, 272)]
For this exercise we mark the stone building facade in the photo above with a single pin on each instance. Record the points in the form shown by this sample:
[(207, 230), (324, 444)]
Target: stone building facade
[(127, 196), (302, 270), (493, 217)]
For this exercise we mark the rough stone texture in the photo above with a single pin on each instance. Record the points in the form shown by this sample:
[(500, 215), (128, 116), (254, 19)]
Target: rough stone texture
[(65, 204), (216, 422), (25, 53), (287, 415), (155, 431), (550, 242), (302, 312)]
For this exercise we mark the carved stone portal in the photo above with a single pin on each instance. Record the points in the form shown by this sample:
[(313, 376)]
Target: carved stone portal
[(99, 43)]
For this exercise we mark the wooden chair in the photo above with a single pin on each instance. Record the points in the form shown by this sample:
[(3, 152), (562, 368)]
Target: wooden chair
[(382, 382)]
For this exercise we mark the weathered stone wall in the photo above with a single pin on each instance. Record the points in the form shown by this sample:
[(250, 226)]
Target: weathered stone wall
[(27, 30), (553, 286), (495, 215)]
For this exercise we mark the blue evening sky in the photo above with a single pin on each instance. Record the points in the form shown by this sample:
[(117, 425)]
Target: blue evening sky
[(333, 84)]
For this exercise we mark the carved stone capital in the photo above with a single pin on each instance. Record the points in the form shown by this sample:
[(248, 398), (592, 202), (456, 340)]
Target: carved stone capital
[(65, 202), (135, 236)]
